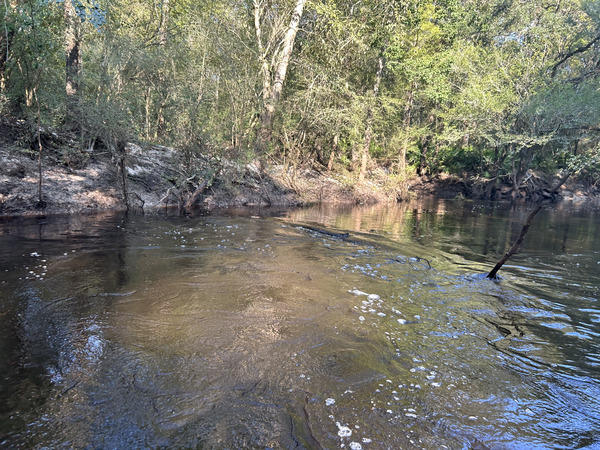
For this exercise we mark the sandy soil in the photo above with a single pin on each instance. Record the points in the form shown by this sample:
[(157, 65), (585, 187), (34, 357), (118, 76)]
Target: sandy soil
[(158, 178)]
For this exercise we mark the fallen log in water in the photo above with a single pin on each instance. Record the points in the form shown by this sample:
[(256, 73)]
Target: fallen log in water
[(326, 232)]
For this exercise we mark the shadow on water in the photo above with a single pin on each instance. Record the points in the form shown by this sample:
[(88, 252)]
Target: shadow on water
[(236, 329)]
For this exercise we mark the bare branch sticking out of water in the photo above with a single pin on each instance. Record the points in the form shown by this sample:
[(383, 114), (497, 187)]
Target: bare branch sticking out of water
[(515, 247), (419, 259)]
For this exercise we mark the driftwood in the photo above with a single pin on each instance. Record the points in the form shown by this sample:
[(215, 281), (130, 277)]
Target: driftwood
[(515, 247), (189, 204), (165, 198), (327, 233), (187, 200), (346, 237)]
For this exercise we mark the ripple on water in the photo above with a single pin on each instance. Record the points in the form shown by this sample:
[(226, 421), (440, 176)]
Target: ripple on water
[(238, 332)]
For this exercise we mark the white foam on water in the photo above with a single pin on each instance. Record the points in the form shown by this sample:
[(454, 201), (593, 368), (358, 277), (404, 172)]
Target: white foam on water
[(357, 292), (343, 431)]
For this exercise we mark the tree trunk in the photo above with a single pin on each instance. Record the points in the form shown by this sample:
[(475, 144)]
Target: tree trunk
[(147, 112), (271, 92), (162, 90), (369, 129), (161, 124), (519, 171), (333, 153), (163, 28), (193, 198), (422, 169), (72, 65), (267, 114), (406, 126), (286, 51), (40, 203), (5, 42), (499, 156), (122, 170), (364, 156)]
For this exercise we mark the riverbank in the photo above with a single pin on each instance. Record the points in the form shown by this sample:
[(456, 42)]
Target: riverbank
[(157, 178), (75, 181)]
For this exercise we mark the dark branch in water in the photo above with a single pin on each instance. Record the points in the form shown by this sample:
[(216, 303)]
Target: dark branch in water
[(327, 233), (515, 247), (423, 259), (68, 388)]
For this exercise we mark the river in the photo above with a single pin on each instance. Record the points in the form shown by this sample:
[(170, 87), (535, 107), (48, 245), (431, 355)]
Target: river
[(365, 327)]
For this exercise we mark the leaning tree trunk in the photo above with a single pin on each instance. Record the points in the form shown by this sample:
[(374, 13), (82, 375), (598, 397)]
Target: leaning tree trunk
[(272, 91), (163, 28), (515, 247), (286, 51)]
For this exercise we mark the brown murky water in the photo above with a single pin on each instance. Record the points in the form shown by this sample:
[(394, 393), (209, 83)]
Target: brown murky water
[(236, 330)]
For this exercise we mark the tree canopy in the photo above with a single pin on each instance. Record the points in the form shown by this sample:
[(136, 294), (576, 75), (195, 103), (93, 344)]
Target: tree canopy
[(491, 88)]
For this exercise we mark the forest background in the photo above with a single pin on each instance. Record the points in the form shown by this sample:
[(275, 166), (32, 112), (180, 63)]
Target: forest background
[(494, 91)]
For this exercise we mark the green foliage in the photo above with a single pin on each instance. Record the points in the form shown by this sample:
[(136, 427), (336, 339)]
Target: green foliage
[(34, 53), (492, 87)]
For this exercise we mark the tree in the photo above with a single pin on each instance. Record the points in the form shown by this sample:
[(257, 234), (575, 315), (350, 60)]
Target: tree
[(72, 64), (6, 37), (489, 88), (506, 75), (277, 47), (420, 57), (369, 121)]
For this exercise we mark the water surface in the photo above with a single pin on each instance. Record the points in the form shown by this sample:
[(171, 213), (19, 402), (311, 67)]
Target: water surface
[(242, 329)]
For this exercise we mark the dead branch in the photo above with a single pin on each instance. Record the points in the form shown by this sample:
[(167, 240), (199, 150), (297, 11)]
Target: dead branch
[(515, 247), (573, 53), (189, 204)]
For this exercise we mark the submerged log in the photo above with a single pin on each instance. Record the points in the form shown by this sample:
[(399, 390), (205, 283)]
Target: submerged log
[(327, 233)]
